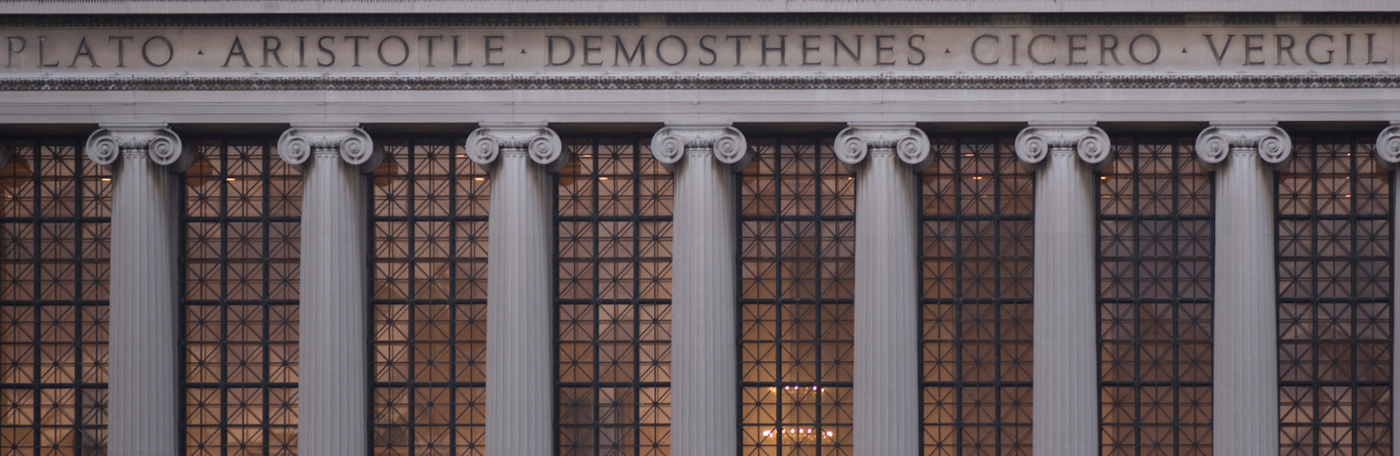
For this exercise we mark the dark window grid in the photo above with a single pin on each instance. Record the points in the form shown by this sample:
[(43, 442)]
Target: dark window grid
[(221, 173), (1361, 436), (954, 148), (818, 153), (588, 149), (88, 423), (1178, 152), (411, 149)]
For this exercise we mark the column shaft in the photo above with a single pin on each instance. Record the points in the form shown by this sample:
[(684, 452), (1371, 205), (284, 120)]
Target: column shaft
[(704, 366), (334, 388), (520, 339), (886, 308), (1066, 344), (144, 335), (1246, 346)]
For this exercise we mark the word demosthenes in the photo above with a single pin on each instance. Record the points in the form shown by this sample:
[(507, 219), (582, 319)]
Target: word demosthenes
[(699, 49)]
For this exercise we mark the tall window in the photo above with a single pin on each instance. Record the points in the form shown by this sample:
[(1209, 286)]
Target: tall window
[(614, 308), (242, 245), (797, 243), (430, 204), (977, 245), (1334, 285), (1156, 257), (55, 214)]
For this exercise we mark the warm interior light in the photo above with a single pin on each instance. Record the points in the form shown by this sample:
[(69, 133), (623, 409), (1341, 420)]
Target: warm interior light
[(603, 178), (106, 179), (798, 434), (231, 179), (478, 179)]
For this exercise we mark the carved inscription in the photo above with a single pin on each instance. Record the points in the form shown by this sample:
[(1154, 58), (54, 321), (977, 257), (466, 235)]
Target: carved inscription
[(695, 49)]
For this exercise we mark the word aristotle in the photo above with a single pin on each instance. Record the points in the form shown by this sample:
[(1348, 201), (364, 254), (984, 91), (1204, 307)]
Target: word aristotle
[(954, 49)]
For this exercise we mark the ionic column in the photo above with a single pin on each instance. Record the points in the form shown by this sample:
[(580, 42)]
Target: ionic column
[(704, 350), (1246, 421), (333, 391), (1066, 411), (886, 158), (1388, 148), (143, 408), (520, 340)]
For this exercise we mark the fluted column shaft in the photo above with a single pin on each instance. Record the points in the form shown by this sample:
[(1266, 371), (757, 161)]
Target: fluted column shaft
[(1246, 346), (519, 379), (333, 388), (886, 420), (520, 294), (704, 345), (1388, 150), (1065, 371), (1066, 345), (704, 361), (144, 327), (1246, 395), (143, 336)]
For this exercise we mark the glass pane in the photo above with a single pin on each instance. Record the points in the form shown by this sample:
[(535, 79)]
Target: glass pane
[(1334, 284), (1156, 256), (242, 249), (614, 302), (429, 234), (977, 242), (54, 237), (797, 241)]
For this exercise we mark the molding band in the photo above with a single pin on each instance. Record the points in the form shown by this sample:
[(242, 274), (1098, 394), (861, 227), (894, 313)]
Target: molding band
[(696, 82), (156, 140)]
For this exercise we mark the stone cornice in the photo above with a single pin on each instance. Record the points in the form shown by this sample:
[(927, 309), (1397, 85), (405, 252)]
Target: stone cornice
[(904, 140), (1223, 139), (155, 140), (671, 144), (347, 140), (737, 82), (1041, 139), (1388, 145), (536, 140)]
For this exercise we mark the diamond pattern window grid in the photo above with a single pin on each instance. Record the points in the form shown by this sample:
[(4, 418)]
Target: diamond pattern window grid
[(242, 249), (429, 226), (55, 215), (1334, 282), (797, 240), (614, 300), (1156, 256), (977, 234)]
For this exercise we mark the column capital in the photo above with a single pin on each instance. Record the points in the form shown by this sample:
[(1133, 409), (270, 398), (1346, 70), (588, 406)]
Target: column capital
[(903, 139), (301, 141), (536, 140), (1040, 139), (1387, 145), (155, 140), (1222, 139), (726, 143)]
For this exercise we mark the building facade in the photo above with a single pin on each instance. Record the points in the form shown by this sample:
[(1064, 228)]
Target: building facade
[(644, 227)]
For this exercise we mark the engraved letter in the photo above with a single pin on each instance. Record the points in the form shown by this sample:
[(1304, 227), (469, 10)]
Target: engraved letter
[(549, 52), (1108, 45), (1308, 49), (881, 49), (975, 58), (1282, 48), (1370, 50), (1030, 50), (1250, 48), (121, 48), (456, 40), (1219, 53), (84, 51), (589, 50), (237, 49), (272, 45), (321, 43), (808, 48), (41, 54), (11, 41), (403, 43), (922, 56), (738, 47), (429, 39), (487, 41), (356, 40), (840, 46), (169, 52), (685, 50), (781, 49), (713, 56), (1156, 49), (620, 50)]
